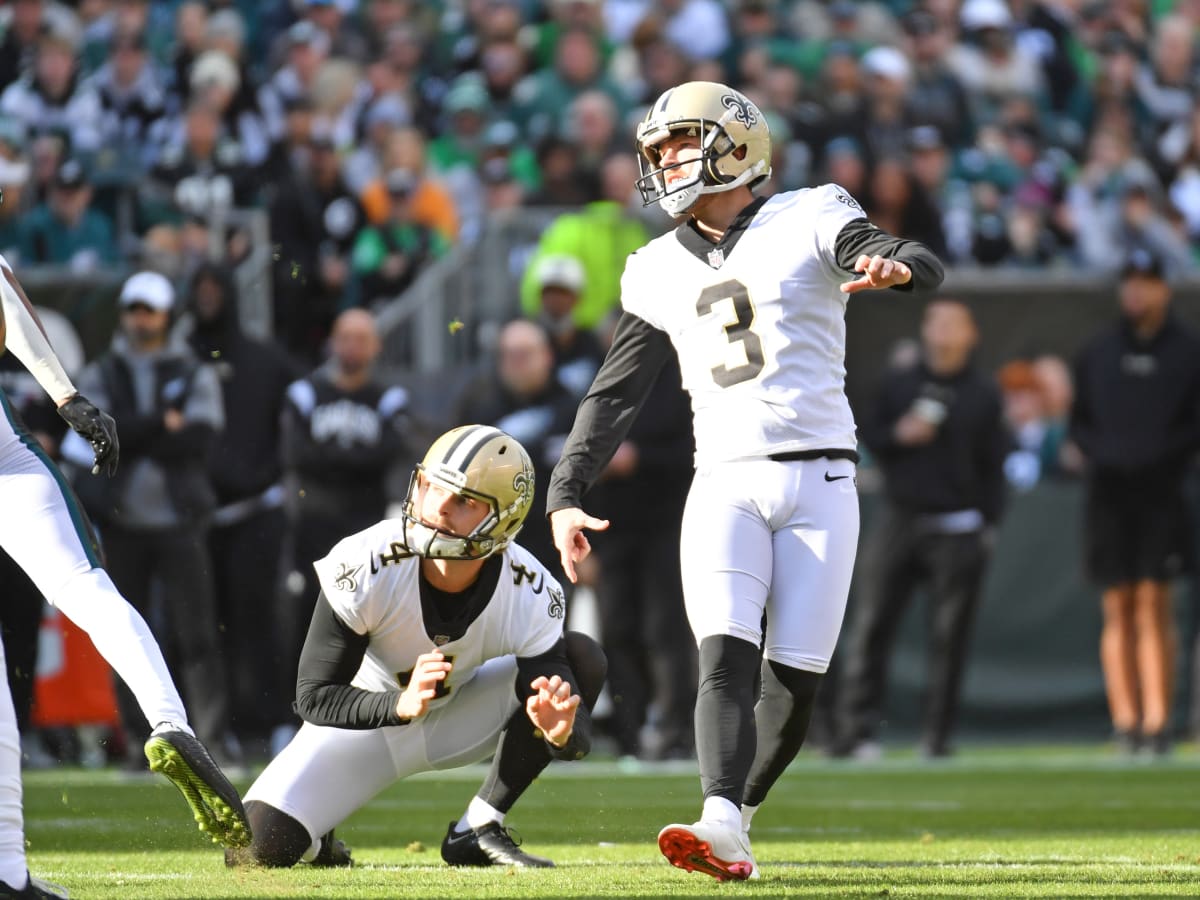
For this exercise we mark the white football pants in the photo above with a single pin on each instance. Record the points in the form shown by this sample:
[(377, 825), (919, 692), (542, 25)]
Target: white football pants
[(325, 774), (770, 538)]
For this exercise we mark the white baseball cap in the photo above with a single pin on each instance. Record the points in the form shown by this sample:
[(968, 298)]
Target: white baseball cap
[(886, 62), (978, 14), (149, 288), (561, 271)]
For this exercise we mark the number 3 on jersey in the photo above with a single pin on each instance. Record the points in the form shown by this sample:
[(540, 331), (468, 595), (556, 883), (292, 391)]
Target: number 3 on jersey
[(738, 317)]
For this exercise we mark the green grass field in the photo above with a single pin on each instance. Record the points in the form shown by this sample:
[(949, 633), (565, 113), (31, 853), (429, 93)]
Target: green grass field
[(1011, 822)]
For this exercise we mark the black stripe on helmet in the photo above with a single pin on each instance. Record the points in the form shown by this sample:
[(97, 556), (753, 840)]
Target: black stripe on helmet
[(468, 445)]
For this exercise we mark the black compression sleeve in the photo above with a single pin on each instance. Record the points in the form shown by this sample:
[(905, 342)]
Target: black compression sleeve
[(859, 237), (555, 662), (630, 369), (330, 659), (522, 755)]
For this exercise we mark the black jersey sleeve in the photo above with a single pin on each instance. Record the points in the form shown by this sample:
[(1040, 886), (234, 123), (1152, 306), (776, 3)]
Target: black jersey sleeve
[(555, 662), (629, 371), (332, 654), (859, 237)]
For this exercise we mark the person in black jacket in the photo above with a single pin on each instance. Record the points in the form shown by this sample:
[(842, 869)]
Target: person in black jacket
[(343, 432), (1136, 417), (938, 432), (315, 218), (154, 514), (246, 471), (639, 592)]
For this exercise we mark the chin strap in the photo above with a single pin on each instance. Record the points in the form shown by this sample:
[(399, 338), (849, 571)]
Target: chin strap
[(433, 544)]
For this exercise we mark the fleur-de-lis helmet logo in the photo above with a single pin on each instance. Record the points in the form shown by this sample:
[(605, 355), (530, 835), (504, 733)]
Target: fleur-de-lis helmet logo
[(744, 110), (523, 482)]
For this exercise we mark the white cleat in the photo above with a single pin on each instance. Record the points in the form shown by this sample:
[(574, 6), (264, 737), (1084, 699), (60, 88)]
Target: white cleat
[(711, 848)]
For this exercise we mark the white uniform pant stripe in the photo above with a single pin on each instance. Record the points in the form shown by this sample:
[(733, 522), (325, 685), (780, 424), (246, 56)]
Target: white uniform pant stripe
[(325, 774), (38, 532), (777, 538)]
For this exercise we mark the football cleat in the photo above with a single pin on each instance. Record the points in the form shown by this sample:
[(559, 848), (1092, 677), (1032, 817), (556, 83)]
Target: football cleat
[(36, 889), (489, 845), (334, 854), (711, 848), (215, 803)]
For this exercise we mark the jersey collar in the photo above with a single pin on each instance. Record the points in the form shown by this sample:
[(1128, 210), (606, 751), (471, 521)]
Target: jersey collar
[(706, 251), (447, 616)]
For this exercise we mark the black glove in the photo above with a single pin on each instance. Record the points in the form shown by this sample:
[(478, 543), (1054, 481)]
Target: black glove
[(98, 428)]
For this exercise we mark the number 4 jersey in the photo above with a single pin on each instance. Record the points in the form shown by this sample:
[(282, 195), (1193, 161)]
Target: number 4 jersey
[(758, 323), (373, 584)]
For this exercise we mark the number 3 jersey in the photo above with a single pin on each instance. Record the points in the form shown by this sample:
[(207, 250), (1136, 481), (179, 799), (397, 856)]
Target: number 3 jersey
[(373, 584), (758, 323)]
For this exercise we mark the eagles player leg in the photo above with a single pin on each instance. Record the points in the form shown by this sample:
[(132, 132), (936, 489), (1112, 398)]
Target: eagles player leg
[(57, 552), (479, 837), (15, 880)]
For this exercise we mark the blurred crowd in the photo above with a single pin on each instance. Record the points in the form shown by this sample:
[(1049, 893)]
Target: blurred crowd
[(377, 135)]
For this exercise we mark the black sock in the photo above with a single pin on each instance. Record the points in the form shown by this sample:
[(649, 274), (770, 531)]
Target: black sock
[(783, 712), (279, 840), (725, 737), (522, 754)]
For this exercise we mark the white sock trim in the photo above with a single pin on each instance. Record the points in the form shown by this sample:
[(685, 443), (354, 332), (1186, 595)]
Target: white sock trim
[(718, 809), (747, 816), (478, 814)]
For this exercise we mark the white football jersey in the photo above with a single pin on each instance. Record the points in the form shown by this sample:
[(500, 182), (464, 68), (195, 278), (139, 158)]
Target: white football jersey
[(761, 335), (372, 582)]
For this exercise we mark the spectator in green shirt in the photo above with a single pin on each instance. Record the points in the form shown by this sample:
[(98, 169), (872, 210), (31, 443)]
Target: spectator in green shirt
[(387, 258), (65, 230), (600, 236)]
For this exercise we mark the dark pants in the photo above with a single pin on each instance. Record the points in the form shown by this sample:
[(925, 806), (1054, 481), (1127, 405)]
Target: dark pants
[(245, 557), (645, 633), (20, 622), (167, 577), (900, 554)]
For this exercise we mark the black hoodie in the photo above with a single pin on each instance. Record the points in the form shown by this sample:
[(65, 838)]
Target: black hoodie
[(254, 378), (1137, 403), (963, 467)]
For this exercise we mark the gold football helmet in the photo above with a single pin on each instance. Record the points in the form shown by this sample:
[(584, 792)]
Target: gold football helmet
[(734, 139), (482, 463)]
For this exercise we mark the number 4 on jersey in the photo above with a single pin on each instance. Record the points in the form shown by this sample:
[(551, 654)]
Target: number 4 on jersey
[(442, 689)]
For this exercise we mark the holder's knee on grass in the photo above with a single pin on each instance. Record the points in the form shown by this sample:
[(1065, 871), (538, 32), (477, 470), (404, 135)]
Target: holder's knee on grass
[(280, 842)]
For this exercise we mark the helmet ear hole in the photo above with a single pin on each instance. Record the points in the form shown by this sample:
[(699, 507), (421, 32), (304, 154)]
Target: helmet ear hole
[(740, 152)]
